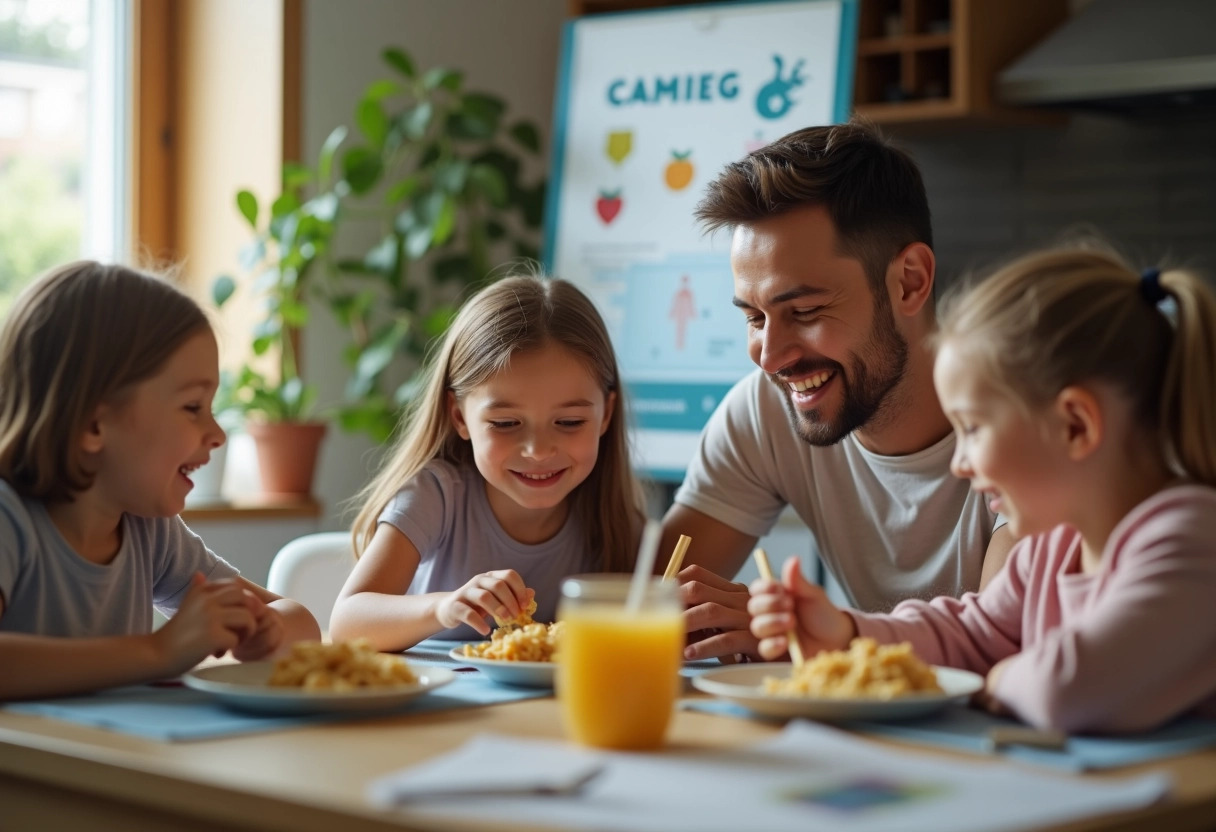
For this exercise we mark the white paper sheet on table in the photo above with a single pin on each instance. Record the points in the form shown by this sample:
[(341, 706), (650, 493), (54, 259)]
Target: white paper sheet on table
[(808, 777)]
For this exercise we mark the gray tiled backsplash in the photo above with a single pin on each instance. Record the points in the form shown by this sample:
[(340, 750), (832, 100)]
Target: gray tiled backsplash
[(1147, 182)]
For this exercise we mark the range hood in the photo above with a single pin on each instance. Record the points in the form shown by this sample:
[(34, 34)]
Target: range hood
[(1120, 54)]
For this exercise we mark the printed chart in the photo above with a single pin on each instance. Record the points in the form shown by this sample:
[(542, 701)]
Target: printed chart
[(651, 106)]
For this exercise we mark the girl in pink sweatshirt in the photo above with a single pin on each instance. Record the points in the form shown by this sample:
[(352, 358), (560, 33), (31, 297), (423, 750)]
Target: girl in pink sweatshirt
[(1083, 397)]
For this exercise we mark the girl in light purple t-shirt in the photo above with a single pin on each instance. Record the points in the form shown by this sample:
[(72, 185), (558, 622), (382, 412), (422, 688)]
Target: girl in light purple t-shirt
[(512, 471), (1084, 401)]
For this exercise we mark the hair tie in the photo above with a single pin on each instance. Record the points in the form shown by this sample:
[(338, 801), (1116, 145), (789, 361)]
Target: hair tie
[(1150, 286)]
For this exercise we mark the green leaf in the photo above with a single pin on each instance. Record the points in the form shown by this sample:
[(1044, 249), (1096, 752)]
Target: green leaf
[(430, 206), (503, 162), (489, 182), (438, 321), (323, 206), (252, 253), (418, 242), (410, 390), (402, 191), (382, 89), (400, 61), (477, 117), (361, 168), (445, 222), (285, 204), (383, 258), (221, 289), (375, 358), (247, 204), (405, 221), (296, 175), (262, 343), (370, 117), (450, 176), (294, 314), (325, 161), (526, 135), (416, 120), (438, 77), (484, 106), (292, 393)]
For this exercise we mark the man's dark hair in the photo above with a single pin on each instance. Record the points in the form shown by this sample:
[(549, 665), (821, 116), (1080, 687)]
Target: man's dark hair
[(872, 190)]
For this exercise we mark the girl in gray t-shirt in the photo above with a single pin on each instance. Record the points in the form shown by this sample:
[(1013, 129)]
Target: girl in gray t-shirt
[(512, 471), (108, 376)]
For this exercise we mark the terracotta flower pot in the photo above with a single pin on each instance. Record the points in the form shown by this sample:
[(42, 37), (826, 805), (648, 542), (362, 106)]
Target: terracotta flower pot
[(287, 454)]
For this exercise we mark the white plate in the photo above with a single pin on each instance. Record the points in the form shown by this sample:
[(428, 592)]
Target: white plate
[(520, 674), (744, 685), (243, 686)]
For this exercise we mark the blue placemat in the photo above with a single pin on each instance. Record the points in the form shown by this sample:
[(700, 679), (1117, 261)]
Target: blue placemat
[(434, 652), (966, 729), (178, 713)]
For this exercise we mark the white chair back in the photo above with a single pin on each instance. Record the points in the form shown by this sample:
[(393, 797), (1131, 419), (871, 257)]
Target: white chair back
[(311, 569)]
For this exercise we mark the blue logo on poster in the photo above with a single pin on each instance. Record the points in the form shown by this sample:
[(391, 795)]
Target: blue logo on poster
[(773, 100)]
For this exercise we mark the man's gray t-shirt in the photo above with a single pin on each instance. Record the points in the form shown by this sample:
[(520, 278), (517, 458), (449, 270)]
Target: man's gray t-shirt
[(445, 513), (49, 590), (887, 527)]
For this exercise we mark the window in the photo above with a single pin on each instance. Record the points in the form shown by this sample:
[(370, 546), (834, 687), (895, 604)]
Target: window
[(65, 77)]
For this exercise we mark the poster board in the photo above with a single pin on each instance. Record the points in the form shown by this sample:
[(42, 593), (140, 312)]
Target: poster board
[(650, 106)]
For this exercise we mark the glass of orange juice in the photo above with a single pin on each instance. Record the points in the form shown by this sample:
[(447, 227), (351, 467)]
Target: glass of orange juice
[(618, 672)]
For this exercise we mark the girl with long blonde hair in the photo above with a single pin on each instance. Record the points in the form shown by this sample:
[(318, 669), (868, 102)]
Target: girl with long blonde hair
[(511, 471)]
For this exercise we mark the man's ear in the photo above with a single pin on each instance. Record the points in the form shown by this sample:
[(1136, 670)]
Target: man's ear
[(609, 407), (910, 279), (457, 416), (1080, 419)]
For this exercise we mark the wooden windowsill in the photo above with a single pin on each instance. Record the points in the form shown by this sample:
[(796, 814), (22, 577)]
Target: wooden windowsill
[(255, 508)]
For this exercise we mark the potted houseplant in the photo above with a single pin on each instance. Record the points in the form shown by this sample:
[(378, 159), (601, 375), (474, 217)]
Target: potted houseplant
[(276, 401), (440, 173)]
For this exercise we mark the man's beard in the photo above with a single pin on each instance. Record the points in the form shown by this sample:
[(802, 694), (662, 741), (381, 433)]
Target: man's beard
[(864, 389)]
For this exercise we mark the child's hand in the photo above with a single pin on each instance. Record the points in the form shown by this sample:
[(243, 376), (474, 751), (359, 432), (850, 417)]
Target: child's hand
[(267, 636), (986, 698), (798, 605), (501, 593), (213, 618)]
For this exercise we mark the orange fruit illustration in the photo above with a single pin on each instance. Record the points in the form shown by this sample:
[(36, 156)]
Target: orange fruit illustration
[(679, 171)]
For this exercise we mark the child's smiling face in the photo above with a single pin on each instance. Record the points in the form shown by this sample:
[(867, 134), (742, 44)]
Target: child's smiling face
[(1007, 453), (159, 431), (535, 428)]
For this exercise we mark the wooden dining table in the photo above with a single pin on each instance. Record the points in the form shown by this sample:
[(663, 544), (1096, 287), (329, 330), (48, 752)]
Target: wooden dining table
[(56, 775)]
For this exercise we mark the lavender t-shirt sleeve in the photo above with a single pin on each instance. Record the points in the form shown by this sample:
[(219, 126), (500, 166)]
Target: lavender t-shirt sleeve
[(420, 510)]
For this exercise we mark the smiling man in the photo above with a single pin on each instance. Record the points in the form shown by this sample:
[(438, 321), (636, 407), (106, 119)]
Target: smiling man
[(833, 271)]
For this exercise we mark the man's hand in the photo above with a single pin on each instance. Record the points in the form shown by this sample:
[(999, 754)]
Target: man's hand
[(715, 615)]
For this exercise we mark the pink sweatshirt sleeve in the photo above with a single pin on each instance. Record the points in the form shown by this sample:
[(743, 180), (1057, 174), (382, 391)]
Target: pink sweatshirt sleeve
[(973, 632), (1143, 648)]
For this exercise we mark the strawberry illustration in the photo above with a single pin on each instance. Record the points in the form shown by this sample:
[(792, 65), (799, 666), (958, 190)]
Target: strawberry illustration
[(608, 205)]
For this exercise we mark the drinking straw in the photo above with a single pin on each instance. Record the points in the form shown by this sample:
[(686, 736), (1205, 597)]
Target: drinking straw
[(677, 557), (645, 566)]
